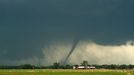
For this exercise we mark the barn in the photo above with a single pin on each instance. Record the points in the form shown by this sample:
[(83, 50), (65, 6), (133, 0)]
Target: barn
[(84, 67)]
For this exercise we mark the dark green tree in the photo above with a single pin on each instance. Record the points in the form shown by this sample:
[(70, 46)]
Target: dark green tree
[(84, 63), (123, 66), (112, 66), (27, 66), (56, 65), (130, 66)]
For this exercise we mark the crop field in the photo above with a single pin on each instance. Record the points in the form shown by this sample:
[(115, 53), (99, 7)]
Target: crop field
[(66, 72)]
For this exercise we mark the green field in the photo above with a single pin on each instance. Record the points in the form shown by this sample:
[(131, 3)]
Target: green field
[(66, 72)]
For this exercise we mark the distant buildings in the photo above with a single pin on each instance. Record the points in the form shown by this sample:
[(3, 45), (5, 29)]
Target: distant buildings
[(84, 67)]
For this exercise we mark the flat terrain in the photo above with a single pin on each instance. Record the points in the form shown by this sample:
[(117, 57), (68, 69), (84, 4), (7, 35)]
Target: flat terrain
[(66, 72)]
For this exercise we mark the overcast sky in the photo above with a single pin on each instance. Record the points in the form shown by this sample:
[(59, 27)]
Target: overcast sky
[(26, 26)]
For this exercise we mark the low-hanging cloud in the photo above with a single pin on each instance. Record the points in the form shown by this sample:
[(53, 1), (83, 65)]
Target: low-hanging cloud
[(92, 52), (85, 50)]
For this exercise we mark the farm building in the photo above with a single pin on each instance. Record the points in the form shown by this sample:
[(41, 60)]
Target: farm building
[(84, 67)]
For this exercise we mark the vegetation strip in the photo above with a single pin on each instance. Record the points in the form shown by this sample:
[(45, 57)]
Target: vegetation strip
[(66, 72)]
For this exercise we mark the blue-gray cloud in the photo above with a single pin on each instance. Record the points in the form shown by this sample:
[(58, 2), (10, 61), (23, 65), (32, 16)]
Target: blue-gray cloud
[(27, 25)]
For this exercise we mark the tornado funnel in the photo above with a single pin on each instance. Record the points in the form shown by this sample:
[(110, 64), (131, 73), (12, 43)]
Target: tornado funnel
[(71, 51)]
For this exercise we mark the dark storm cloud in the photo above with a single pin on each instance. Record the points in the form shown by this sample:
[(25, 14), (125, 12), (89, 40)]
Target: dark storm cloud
[(27, 25)]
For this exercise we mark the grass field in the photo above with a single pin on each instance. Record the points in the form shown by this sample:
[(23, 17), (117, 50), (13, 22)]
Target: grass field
[(66, 72)]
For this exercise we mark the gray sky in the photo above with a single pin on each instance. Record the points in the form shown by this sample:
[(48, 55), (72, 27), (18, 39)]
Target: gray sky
[(26, 26)]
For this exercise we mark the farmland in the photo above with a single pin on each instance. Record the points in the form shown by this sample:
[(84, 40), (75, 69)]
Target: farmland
[(65, 72)]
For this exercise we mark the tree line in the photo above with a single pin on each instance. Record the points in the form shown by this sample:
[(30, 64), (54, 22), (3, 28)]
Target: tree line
[(57, 65)]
